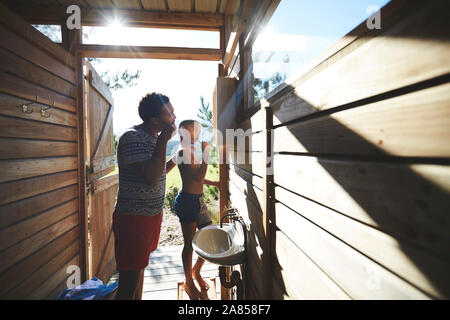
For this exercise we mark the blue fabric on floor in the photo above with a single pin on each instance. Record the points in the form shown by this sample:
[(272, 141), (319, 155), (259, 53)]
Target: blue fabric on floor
[(93, 289)]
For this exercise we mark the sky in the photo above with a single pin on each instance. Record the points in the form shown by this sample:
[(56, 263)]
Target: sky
[(299, 31)]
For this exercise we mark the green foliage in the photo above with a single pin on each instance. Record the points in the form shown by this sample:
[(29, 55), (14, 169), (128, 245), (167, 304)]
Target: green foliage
[(120, 80), (53, 32), (205, 114), (171, 195), (263, 87), (211, 193), (116, 143)]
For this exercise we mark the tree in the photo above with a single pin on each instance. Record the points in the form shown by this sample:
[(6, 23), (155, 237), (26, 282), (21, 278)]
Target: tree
[(121, 79), (53, 32), (263, 87), (205, 114), (116, 143)]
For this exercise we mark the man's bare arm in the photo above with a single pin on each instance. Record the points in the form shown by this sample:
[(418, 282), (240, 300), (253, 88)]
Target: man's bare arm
[(171, 164)]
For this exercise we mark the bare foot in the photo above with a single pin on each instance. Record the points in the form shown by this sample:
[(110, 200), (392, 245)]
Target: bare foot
[(192, 291), (201, 282)]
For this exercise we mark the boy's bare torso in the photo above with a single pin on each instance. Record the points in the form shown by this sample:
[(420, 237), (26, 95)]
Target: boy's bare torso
[(189, 171)]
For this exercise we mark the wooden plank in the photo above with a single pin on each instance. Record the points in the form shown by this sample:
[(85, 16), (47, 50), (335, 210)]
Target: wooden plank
[(18, 128), (368, 280), (101, 235), (179, 6), (248, 176), (25, 30), (408, 201), (12, 106), (20, 210), (249, 12), (24, 229), (20, 148), (20, 169), (255, 122), (417, 266), (175, 277), (100, 3), (15, 65), (103, 163), (146, 52), (23, 249), (253, 162), (208, 6), (252, 218), (182, 295), (301, 278), (100, 135), (28, 51), (154, 5), (277, 292), (255, 195), (255, 236), (27, 90), (98, 84), (268, 199), (105, 183), (255, 265), (129, 4), (100, 174), (412, 125), (252, 292), (17, 190), (130, 18), (268, 9), (48, 287), (176, 270), (42, 274), (249, 142), (104, 191), (83, 133), (26, 267), (251, 213), (393, 63)]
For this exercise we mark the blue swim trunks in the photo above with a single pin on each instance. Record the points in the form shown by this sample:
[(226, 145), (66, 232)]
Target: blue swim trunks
[(191, 208)]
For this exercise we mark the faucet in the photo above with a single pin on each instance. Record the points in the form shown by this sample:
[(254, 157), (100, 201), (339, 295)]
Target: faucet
[(233, 215)]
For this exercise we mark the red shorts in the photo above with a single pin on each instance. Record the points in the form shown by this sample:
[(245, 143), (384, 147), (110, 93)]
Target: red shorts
[(135, 238)]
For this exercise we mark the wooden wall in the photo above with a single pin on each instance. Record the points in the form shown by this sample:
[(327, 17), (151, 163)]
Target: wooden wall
[(361, 168), (39, 218)]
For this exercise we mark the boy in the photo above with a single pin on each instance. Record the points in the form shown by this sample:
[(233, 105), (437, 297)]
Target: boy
[(189, 205)]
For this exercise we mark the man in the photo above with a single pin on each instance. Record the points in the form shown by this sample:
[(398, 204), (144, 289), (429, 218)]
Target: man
[(137, 218)]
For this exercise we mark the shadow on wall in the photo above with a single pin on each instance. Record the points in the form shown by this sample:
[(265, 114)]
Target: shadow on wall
[(392, 190)]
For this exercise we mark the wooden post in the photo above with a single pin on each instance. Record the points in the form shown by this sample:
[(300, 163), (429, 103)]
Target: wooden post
[(224, 195), (74, 46), (269, 199), (71, 42)]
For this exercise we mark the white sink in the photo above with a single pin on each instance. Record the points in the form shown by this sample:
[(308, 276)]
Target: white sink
[(223, 246)]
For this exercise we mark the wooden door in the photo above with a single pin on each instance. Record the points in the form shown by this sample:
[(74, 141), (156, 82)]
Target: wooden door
[(102, 183)]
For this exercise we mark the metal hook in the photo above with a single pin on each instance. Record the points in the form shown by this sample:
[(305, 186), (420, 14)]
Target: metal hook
[(26, 106), (44, 113)]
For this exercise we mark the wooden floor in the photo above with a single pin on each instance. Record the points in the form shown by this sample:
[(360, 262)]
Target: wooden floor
[(164, 272)]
